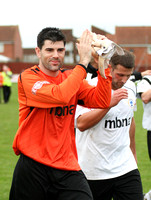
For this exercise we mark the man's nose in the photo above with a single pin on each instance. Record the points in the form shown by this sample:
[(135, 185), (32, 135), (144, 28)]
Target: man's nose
[(124, 79), (55, 54)]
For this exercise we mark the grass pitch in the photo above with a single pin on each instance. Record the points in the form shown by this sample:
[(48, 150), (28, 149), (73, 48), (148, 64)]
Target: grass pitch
[(8, 128)]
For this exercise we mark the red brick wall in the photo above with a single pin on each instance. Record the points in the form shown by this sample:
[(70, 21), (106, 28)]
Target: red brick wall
[(8, 51), (18, 51), (18, 67), (142, 58)]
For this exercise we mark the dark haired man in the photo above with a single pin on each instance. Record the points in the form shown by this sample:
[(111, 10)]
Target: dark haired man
[(48, 166), (105, 139)]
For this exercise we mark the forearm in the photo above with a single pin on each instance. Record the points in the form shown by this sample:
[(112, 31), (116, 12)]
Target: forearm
[(146, 96), (90, 119), (104, 86), (132, 138), (99, 96)]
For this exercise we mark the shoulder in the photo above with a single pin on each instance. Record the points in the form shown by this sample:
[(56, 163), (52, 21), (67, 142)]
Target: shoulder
[(130, 85), (66, 71), (147, 78), (144, 84), (90, 80), (33, 70), (146, 81), (29, 72)]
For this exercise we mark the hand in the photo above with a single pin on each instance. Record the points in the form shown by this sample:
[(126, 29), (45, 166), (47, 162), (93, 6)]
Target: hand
[(101, 37), (147, 72), (84, 48), (118, 95), (97, 40)]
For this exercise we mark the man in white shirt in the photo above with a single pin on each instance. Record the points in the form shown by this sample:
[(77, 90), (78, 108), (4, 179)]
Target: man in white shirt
[(105, 139), (144, 92)]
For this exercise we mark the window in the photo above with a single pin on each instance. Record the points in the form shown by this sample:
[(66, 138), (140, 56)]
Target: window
[(1, 48), (131, 50), (149, 49)]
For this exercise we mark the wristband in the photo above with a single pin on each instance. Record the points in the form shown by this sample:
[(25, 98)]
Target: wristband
[(83, 67)]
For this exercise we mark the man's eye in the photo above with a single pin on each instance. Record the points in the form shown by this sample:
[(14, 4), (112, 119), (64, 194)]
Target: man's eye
[(50, 50), (60, 50), (120, 75)]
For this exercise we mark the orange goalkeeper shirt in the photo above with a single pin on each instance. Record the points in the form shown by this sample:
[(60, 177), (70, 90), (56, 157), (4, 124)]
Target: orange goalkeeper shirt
[(46, 113)]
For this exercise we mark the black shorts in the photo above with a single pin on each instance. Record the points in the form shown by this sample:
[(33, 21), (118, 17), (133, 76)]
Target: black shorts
[(126, 187), (149, 143), (35, 181)]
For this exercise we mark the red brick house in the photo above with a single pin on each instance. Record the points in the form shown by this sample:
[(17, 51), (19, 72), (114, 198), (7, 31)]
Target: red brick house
[(29, 55), (71, 55), (10, 42), (136, 39)]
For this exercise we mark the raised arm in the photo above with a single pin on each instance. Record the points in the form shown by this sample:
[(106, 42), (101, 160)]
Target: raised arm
[(90, 119), (38, 88), (84, 48)]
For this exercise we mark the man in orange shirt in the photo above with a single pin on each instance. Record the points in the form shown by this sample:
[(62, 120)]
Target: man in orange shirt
[(48, 166)]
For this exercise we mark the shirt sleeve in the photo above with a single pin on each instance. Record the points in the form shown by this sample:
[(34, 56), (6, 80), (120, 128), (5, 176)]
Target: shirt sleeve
[(80, 110), (36, 91), (96, 97), (143, 85), (136, 76)]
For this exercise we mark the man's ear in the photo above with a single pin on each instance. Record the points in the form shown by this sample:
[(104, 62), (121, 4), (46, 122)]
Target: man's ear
[(38, 52), (96, 59), (110, 66)]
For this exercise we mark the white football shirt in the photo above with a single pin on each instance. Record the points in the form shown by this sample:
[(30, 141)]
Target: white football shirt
[(143, 86), (104, 150)]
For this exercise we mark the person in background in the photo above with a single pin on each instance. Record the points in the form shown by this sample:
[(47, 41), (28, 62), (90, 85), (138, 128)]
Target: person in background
[(144, 93), (7, 75), (105, 138), (136, 76), (48, 167), (1, 85), (147, 196)]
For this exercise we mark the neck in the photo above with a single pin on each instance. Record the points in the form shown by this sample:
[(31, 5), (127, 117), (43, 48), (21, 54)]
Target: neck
[(94, 64), (49, 72)]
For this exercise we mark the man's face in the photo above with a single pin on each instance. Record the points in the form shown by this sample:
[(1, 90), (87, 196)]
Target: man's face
[(5, 68), (51, 56), (119, 76)]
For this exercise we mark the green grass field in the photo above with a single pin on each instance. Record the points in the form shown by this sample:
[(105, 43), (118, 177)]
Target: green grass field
[(8, 128)]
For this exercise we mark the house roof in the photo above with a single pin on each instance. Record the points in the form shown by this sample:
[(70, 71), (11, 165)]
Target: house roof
[(7, 33), (133, 35), (99, 31), (68, 34), (29, 51)]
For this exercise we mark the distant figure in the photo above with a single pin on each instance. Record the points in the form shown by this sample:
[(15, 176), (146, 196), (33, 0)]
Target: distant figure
[(7, 75), (144, 92), (1, 84), (136, 76)]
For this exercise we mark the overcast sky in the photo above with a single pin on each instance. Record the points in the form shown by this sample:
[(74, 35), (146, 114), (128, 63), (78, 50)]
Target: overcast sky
[(78, 15)]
